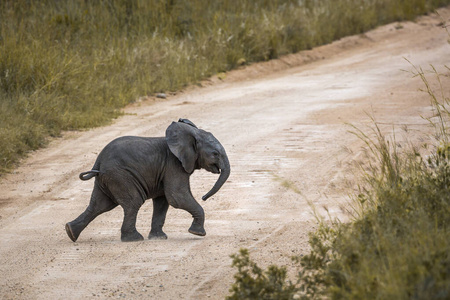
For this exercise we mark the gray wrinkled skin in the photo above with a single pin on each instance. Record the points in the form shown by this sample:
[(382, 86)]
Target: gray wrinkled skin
[(132, 169)]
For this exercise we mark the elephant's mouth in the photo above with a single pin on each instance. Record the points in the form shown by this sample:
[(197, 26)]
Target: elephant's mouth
[(215, 169)]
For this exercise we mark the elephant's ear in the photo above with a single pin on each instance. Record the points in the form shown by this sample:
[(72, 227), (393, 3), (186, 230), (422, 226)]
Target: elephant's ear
[(181, 140)]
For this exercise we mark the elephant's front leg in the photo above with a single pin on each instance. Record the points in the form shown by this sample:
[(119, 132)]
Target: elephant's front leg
[(129, 232), (178, 194), (187, 202), (160, 207), (198, 214)]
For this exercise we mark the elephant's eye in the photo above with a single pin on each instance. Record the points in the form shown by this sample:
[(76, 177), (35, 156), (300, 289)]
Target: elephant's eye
[(215, 154)]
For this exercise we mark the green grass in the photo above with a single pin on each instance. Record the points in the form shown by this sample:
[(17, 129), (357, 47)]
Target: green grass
[(68, 65), (397, 244)]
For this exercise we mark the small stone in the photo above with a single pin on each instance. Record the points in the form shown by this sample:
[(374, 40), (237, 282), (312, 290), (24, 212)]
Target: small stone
[(161, 96)]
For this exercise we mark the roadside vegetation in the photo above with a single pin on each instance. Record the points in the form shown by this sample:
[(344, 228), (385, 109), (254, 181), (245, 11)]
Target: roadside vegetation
[(396, 244), (70, 64)]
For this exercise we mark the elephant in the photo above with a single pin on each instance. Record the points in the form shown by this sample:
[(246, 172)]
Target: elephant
[(133, 169)]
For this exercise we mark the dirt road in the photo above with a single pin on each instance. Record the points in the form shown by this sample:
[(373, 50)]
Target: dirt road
[(283, 124)]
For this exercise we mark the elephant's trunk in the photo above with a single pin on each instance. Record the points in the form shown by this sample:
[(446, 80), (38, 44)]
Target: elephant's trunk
[(224, 173)]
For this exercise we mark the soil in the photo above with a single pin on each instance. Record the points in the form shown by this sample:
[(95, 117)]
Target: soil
[(285, 126)]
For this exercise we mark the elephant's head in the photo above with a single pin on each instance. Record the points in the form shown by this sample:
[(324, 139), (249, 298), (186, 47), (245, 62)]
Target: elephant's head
[(196, 149)]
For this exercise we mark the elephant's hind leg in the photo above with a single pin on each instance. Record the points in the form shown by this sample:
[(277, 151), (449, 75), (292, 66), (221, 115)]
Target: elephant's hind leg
[(129, 232), (160, 207), (129, 194), (99, 204)]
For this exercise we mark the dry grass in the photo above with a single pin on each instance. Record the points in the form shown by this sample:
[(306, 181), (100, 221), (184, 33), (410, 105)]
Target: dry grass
[(74, 64)]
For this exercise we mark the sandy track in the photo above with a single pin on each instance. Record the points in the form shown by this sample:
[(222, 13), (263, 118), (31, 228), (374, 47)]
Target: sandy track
[(283, 126)]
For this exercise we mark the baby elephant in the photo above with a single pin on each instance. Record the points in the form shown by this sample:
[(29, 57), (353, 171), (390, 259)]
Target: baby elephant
[(132, 169)]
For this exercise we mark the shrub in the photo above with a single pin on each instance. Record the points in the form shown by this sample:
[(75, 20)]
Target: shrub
[(254, 283)]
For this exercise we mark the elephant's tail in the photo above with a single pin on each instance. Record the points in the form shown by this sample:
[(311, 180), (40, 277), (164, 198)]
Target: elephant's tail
[(89, 174)]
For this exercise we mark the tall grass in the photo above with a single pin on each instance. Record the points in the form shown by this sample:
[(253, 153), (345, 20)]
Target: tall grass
[(397, 245), (73, 64)]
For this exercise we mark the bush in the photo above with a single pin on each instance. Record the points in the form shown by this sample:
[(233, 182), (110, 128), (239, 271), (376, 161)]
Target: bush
[(254, 283)]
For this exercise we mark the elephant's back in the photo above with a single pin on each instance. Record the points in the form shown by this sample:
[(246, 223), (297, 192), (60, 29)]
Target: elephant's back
[(131, 151)]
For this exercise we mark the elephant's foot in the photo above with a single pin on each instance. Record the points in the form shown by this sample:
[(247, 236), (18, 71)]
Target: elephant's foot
[(197, 229), (131, 237), (72, 233), (157, 236)]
